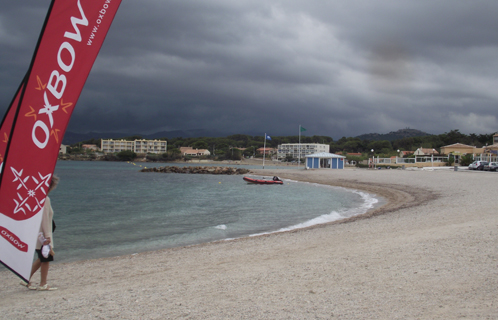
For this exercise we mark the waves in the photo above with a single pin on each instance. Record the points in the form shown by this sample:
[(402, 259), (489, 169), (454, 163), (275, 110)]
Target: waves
[(368, 203), (133, 212)]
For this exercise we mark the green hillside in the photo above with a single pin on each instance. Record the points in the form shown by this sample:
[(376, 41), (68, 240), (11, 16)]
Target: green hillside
[(393, 135)]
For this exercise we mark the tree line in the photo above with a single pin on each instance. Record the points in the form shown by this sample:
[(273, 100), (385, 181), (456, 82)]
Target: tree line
[(239, 145)]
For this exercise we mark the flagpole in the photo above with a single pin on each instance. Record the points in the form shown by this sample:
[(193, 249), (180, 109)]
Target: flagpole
[(299, 159), (264, 152)]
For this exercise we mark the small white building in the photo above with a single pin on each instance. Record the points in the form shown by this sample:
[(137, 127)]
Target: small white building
[(92, 147), (426, 152), (187, 151), (325, 160)]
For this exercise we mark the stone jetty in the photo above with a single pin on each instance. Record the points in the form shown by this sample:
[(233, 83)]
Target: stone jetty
[(197, 170)]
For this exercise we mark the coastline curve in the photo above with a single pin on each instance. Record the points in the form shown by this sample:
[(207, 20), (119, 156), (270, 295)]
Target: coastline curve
[(396, 196)]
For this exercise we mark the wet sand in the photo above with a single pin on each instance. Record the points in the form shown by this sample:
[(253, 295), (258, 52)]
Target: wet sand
[(429, 253)]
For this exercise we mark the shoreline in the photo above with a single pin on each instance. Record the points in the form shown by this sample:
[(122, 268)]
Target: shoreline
[(428, 253), (395, 196), (243, 162)]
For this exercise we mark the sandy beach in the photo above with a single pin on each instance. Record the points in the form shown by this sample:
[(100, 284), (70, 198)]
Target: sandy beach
[(429, 253)]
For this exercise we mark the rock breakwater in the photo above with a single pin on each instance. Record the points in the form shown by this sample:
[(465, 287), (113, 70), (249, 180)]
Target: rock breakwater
[(197, 170)]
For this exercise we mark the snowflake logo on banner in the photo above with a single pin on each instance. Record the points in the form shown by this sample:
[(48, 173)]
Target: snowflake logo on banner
[(31, 191)]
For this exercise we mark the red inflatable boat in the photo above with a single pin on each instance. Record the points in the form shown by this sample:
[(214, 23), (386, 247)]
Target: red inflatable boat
[(275, 180)]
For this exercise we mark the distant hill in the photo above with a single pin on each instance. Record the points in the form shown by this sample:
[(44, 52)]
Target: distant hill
[(71, 137), (394, 135)]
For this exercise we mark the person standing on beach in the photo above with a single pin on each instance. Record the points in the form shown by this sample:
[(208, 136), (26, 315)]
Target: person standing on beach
[(46, 228)]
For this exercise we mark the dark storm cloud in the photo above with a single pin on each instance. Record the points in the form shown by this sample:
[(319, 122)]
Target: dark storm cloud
[(339, 68), (19, 29)]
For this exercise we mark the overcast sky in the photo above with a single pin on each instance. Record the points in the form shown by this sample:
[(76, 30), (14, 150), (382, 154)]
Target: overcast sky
[(338, 68)]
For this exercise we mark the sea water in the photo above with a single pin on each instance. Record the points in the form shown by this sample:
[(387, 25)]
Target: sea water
[(104, 209)]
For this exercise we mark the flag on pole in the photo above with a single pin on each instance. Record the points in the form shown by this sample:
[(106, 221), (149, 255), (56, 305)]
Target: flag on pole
[(267, 137), (302, 129), (32, 130)]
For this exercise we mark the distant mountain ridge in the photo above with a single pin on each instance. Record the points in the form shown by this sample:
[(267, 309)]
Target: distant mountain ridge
[(72, 137), (394, 135)]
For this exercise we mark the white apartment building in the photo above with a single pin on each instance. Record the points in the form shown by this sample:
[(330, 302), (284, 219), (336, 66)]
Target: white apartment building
[(151, 146), (137, 146), (303, 149), (110, 145)]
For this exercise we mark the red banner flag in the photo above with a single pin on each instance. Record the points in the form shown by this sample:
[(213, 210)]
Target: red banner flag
[(68, 46)]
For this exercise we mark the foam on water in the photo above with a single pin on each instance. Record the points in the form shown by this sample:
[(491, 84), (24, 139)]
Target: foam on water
[(369, 202)]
